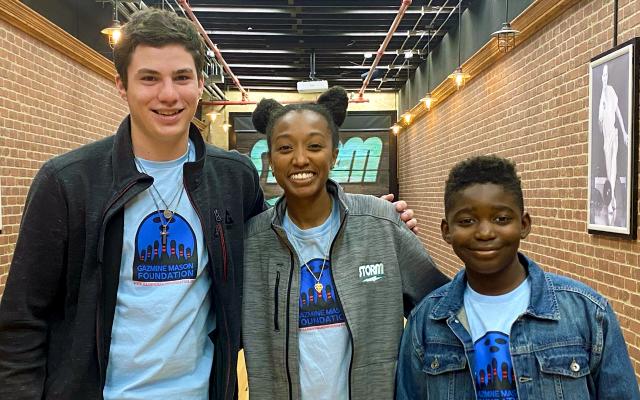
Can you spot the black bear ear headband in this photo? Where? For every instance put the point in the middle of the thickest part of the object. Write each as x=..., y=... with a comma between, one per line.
x=334, y=100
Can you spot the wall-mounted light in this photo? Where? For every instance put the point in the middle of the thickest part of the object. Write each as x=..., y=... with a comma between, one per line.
x=113, y=32
x=506, y=36
x=458, y=76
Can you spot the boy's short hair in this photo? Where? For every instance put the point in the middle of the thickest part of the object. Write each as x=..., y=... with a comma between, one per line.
x=157, y=28
x=479, y=170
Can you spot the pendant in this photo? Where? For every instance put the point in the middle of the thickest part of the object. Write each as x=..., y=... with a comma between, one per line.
x=168, y=214
x=318, y=286
x=164, y=234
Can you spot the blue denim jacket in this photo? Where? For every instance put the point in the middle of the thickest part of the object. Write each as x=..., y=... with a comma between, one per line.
x=567, y=345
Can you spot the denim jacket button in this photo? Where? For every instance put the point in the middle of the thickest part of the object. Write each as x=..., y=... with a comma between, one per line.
x=435, y=364
x=575, y=367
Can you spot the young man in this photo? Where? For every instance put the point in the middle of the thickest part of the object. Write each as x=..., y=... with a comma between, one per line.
x=125, y=286
x=503, y=328
x=126, y=278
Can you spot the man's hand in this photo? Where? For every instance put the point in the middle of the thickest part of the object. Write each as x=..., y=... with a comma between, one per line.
x=406, y=214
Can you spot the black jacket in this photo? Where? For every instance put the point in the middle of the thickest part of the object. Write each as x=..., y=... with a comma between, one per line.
x=57, y=310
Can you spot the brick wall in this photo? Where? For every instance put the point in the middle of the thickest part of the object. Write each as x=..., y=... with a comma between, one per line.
x=532, y=106
x=49, y=104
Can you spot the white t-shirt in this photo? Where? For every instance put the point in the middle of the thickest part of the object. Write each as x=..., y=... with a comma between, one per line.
x=490, y=319
x=159, y=344
x=324, y=342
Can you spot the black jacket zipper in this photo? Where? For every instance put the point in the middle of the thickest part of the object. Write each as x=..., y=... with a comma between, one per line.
x=288, y=308
x=286, y=322
x=335, y=288
x=224, y=256
x=275, y=298
x=286, y=353
x=223, y=244
x=99, y=333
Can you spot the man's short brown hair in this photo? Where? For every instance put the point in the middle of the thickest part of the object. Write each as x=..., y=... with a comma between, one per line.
x=157, y=28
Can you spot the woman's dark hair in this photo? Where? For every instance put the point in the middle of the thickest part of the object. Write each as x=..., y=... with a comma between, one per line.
x=332, y=105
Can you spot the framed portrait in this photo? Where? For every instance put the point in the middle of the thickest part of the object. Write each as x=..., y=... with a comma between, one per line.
x=613, y=127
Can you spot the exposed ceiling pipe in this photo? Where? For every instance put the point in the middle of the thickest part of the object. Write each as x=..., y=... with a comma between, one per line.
x=249, y=102
x=214, y=48
x=385, y=43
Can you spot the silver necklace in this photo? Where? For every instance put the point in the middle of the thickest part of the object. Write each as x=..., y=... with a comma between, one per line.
x=166, y=215
x=318, y=285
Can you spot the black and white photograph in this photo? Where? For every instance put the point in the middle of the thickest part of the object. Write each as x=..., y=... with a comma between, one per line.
x=612, y=131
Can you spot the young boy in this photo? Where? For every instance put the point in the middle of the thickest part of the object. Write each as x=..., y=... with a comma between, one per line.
x=503, y=328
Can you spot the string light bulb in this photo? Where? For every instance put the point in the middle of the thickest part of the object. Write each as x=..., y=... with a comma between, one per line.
x=395, y=129
x=407, y=118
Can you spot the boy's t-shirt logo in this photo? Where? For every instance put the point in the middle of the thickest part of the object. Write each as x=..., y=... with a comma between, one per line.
x=164, y=257
x=492, y=369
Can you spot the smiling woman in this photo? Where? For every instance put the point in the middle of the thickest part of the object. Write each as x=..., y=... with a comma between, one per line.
x=333, y=251
x=301, y=156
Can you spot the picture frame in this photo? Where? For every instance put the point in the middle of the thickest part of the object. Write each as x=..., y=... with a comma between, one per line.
x=613, y=128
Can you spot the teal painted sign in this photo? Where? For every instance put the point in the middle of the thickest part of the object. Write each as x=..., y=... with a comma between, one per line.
x=358, y=160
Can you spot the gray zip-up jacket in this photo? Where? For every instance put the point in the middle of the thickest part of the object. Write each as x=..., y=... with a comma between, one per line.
x=380, y=271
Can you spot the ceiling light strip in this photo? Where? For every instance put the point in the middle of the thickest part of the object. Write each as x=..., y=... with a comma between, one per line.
x=310, y=10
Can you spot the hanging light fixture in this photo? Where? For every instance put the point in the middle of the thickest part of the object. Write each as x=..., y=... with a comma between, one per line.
x=506, y=36
x=212, y=115
x=225, y=126
x=428, y=99
x=458, y=76
x=113, y=32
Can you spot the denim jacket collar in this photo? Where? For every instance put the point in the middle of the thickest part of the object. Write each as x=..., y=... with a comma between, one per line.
x=543, y=303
